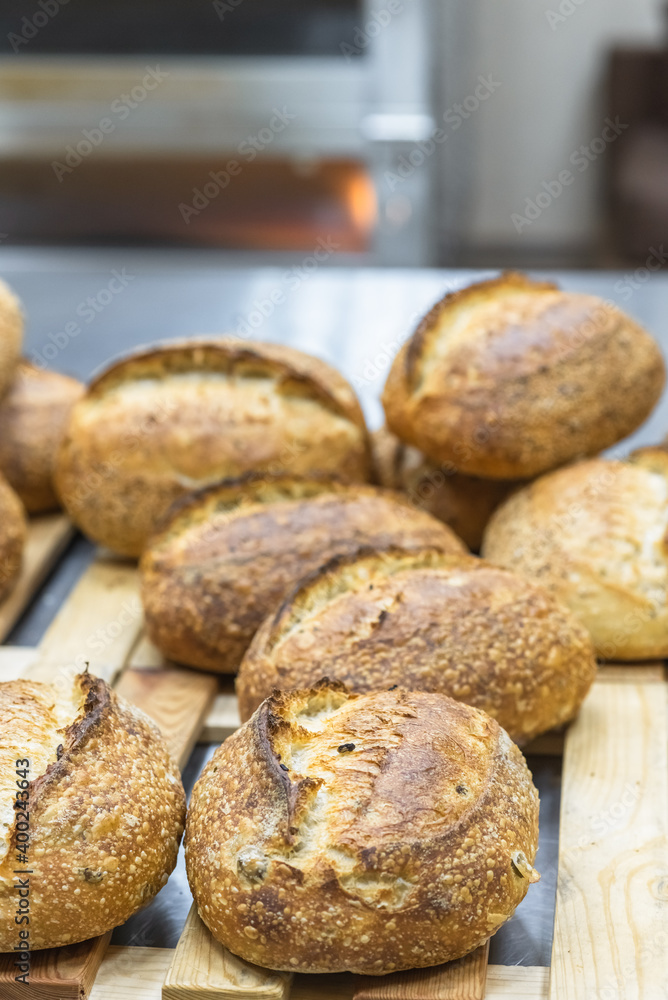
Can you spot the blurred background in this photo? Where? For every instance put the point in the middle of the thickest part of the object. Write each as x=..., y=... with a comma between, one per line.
x=384, y=132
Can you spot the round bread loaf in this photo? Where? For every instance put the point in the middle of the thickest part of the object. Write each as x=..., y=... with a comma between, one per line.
x=13, y=528
x=596, y=535
x=367, y=833
x=106, y=810
x=11, y=335
x=33, y=416
x=465, y=503
x=227, y=556
x=427, y=621
x=179, y=416
x=507, y=378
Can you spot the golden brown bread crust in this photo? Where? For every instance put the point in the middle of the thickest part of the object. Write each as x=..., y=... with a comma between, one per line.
x=33, y=416
x=106, y=805
x=366, y=833
x=504, y=378
x=227, y=556
x=13, y=530
x=596, y=535
x=465, y=503
x=11, y=335
x=427, y=621
x=179, y=416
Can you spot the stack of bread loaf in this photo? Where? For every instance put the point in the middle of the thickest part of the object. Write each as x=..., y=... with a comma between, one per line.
x=373, y=812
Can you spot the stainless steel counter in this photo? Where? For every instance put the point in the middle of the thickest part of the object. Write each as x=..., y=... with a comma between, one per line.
x=86, y=307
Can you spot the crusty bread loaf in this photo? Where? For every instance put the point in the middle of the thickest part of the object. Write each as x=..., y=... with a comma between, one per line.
x=11, y=335
x=465, y=503
x=510, y=378
x=596, y=534
x=13, y=529
x=33, y=416
x=226, y=556
x=367, y=833
x=180, y=416
x=106, y=809
x=427, y=621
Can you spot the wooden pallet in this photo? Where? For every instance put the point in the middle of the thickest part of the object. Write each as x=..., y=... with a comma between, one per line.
x=611, y=913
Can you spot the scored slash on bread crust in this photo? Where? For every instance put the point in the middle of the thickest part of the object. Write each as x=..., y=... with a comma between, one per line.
x=596, y=535
x=226, y=556
x=369, y=833
x=183, y=415
x=503, y=378
x=107, y=809
x=430, y=621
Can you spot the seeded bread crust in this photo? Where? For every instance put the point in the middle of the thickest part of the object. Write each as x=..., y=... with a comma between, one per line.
x=11, y=335
x=33, y=417
x=13, y=531
x=225, y=557
x=596, y=535
x=503, y=379
x=368, y=833
x=177, y=417
x=427, y=621
x=106, y=804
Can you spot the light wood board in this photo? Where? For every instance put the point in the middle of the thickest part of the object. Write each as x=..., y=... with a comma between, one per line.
x=97, y=625
x=55, y=974
x=610, y=935
x=202, y=969
x=139, y=973
x=48, y=536
x=464, y=979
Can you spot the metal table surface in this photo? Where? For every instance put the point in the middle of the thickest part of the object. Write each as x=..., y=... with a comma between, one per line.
x=85, y=307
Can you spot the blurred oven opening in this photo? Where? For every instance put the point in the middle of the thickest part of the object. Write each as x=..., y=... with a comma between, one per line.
x=272, y=204
x=335, y=96
x=180, y=27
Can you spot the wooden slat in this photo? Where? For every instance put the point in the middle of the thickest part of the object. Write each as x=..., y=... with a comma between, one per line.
x=48, y=536
x=648, y=672
x=138, y=974
x=203, y=970
x=129, y=973
x=98, y=624
x=517, y=982
x=55, y=974
x=145, y=654
x=177, y=700
x=612, y=891
x=15, y=660
x=461, y=980
x=223, y=718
